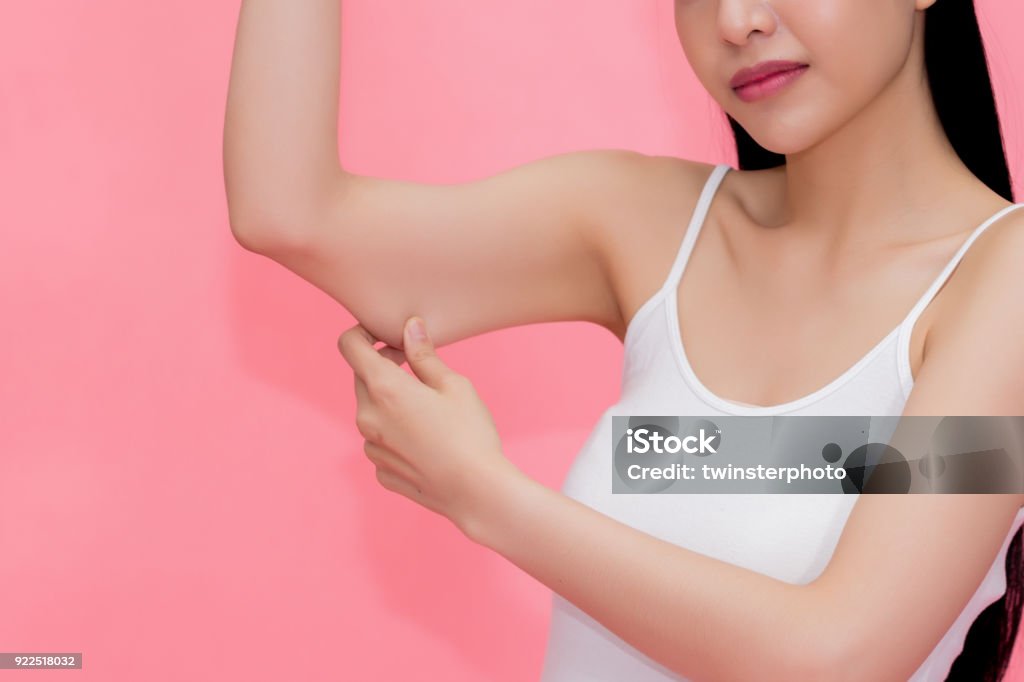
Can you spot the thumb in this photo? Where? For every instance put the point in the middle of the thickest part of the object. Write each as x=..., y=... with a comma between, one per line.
x=421, y=355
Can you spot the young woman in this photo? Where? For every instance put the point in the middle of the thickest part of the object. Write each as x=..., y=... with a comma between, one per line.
x=861, y=260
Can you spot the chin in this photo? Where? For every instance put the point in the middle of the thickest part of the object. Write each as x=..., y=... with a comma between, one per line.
x=781, y=143
x=780, y=136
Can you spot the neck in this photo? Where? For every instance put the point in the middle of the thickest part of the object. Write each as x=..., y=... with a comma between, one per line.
x=878, y=176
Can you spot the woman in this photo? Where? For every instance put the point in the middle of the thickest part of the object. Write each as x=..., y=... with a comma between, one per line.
x=872, y=182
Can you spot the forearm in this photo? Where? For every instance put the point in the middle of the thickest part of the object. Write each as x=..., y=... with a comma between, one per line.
x=281, y=121
x=703, y=618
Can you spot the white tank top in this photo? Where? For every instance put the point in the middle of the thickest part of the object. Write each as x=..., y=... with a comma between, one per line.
x=787, y=537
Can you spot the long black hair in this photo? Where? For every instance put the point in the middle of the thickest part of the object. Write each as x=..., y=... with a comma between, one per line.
x=961, y=88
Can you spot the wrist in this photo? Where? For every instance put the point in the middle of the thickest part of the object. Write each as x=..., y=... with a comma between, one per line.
x=500, y=499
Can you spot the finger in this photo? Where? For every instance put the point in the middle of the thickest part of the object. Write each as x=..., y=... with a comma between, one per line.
x=356, y=346
x=396, y=483
x=383, y=457
x=422, y=355
x=362, y=395
x=396, y=355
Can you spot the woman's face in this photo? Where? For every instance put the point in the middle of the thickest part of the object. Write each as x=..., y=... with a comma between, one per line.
x=853, y=50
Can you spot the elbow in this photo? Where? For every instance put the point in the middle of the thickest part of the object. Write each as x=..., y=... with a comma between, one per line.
x=255, y=239
x=848, y=667
x=779, y=663
x=819, y=647
x=825, y=664
x=834, y=645
x=855, y=663
x=264, y=223
x=816, y=662
x=262, y=233
x=833, y=657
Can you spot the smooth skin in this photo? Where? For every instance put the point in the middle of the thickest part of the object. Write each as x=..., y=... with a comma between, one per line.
x=838, y=244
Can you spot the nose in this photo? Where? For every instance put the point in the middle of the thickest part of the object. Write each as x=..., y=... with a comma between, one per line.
x=740, y=19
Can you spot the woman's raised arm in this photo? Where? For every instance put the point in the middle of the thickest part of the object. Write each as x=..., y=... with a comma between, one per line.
x=530, y=244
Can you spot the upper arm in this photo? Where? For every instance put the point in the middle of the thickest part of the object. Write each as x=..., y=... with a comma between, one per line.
x=913, y=561
x=518, y=247
x=904, y=569
x=974, y=352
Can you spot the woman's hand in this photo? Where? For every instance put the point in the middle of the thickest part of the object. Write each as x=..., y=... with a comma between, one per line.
x=430, y=436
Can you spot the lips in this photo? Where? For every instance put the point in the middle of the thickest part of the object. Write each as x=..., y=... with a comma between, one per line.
x=762, y=70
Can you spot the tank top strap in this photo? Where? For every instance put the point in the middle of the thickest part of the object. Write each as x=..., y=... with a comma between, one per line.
x=933, y=289
x=700, y=212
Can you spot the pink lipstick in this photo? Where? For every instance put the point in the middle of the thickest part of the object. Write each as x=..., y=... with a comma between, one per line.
x=765, y=79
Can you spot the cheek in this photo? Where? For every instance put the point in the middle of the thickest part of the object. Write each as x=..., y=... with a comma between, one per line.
x=698, y=37
x=855, y=48
x=854, y=45
x=686, y=30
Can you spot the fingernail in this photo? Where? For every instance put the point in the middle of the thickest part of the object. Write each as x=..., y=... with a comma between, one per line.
x=417, y=331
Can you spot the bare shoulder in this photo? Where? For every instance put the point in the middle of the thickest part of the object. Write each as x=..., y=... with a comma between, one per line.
x=640, y=223
x=987, y=280
x=978, y=327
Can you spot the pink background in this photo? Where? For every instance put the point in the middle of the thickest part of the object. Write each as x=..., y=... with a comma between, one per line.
x=183, y=493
